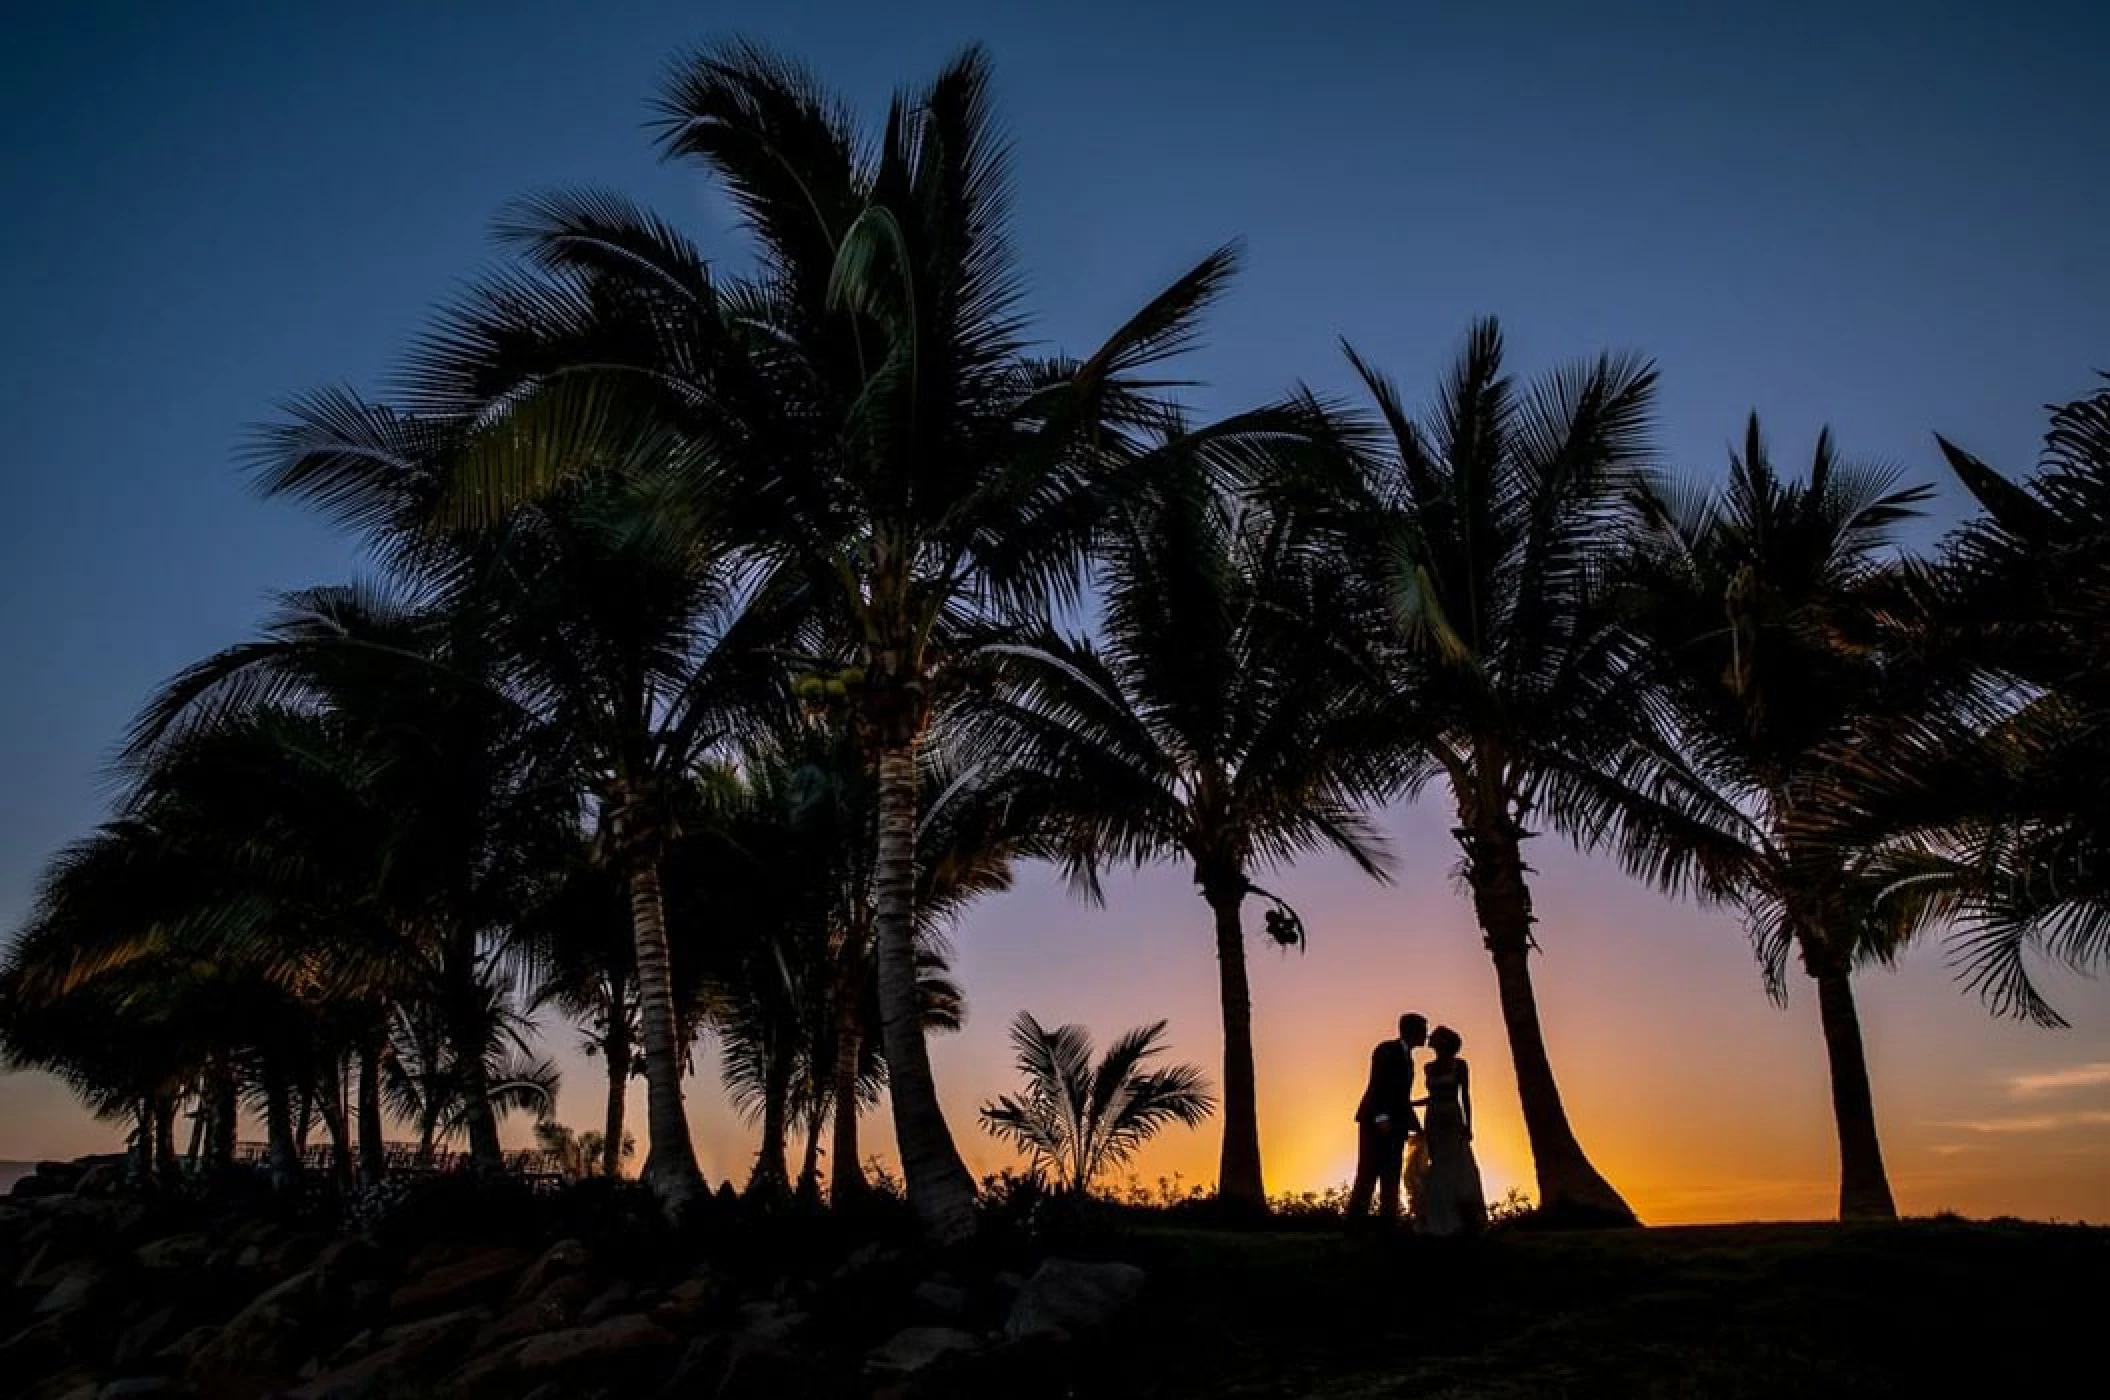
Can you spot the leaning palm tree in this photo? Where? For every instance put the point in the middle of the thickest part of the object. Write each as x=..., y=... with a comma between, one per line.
x=863, y=420
x=1213, y=724
x=1482, y=537
x=1765, y=607
x=1076, y=1119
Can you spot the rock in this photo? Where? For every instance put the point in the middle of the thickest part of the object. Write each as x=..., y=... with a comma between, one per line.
x=940, y=1302
x=1067, y=1296
x=102, y=1179
x=34, y=1349
x=482, y=1275
x=344, y=1261
x=700, y=1369
x=143, y=1338
x=918, y=1349
x=34, y=1188
x=623, y=1335
x=179, y=1353
x=696, y=1299
x=489, y=1373
x=759, y=1369
x=560, y=1260
x=71, y=1290
x=557, y=1306
x=263, y=1345
x=400, y=1351
x=134, y=1388
x=174, y=1252
x=608, y=1302
x=768, y=1324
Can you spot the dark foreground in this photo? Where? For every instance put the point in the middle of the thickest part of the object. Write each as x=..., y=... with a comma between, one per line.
x=462, y=1291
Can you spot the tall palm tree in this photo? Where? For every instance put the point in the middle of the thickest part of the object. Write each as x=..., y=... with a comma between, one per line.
x=862, y=419
x=1077, y=1119
x=1214, y=724
x=1483, y=536
x=1766, y=606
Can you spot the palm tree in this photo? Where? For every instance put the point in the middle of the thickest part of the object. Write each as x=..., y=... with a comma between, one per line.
x=784, y=871
x=578, y=936
x=1483, y=536
x=1994, y=806
x=1077, y=1119
x=862, y=419
x=1765, y=606
x=426, y=1083
x=1213, y=725
x=419, y=805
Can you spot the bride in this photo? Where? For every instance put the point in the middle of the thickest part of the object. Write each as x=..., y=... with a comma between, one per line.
x=1447, y=1199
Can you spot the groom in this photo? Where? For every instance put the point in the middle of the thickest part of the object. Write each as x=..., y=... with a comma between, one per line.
x=1384, y=1120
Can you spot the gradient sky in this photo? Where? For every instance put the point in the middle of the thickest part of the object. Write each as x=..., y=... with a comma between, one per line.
x=1889, y=218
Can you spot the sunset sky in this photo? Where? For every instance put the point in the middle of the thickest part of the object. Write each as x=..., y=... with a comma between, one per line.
x=1889, y=218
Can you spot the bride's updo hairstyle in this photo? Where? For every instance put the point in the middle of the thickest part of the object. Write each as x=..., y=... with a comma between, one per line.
x=1445, y=1041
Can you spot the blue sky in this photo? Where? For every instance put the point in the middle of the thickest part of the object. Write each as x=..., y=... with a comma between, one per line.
x=1889, y=218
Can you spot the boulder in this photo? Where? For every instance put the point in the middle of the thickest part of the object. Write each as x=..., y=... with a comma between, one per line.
x=134, y=1388
x=917, y=1349
x=613, y=1299
x=398, y=1352
x=263, y=1345
x=482, y=1275
x=625, y=1335
x=34, y=1349
x=173, y=1252
x=770, y=1324
x=560, y=1260
x=102, y=1179
x=70, y=1290
x=940, y=1302
x=179, y=1354
x=557, y=1306
x=143, y=1338
x=1067, y=1296
x=699, y=1298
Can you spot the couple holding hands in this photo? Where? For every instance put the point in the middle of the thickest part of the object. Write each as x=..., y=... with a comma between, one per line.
x=1434, y=1152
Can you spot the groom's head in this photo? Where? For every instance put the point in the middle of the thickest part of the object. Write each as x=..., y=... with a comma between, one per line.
x=1414, y=1028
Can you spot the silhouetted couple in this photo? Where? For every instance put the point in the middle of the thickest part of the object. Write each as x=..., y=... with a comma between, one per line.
x=1434, y=1152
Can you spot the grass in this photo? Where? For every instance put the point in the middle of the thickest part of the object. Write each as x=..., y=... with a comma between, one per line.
x=1768, y=1311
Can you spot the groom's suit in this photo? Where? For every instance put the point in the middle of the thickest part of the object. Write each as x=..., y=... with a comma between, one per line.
x=1383, y=1119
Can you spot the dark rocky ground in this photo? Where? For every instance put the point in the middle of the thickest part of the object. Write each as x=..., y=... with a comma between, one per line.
x=462, y=1288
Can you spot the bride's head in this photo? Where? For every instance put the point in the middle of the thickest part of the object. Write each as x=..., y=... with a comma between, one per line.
x=1445, y=1042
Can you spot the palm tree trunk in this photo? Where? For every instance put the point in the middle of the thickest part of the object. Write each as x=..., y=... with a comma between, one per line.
x=194, y=1151
x=373, y=1145
x=939, y=1188
x=485, y=1153
x=615, y=1047
x=771, y=1177
x=1238, y=1177
x=226, y=1114
x=1864, y=1188
x=809, y=1189
x=1569, y=1186
x=281, y=1149
x=339, y=1127
x=670, y=1163
x=168, y=1170
x=846, y=1173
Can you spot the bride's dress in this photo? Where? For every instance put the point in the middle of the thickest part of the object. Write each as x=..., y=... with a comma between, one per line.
x=1445, y=1183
